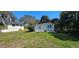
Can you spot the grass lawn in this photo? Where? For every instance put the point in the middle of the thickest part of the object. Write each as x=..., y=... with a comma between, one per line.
x=23, y=39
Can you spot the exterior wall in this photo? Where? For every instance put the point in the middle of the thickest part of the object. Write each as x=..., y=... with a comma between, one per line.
x=44, y=27
x=11, y=28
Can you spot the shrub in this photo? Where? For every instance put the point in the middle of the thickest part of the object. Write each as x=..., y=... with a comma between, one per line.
x=30, y=29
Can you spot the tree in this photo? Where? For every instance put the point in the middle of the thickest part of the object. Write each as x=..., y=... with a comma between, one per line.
x=69, y=20
x=4, y=14
x=55, y=22
x=7, y=14
x=65, y=18
x=27, y=19
x=13, y=17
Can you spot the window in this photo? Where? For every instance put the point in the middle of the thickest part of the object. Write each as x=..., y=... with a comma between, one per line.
x=17, y=24
x=6, y=23
x=49, y=26
x=13, y=24
x=39, y=27
x=20, y=25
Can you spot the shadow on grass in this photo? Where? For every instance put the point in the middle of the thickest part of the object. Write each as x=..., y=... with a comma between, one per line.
x=65, y=36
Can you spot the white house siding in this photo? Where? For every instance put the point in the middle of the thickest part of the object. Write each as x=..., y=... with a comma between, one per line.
x=11, y=28
x=44, y=27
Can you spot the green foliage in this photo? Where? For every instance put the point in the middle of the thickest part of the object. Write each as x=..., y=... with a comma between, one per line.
x=55, y=22
x=13, y=17
x=69, y=20
x=27, y=19
x=2, y=26
x=3, y=17
x=4, y=14
x=23, y=39
x=30, y=28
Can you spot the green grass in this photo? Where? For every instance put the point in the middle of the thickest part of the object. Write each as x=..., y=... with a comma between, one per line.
x=37, y=40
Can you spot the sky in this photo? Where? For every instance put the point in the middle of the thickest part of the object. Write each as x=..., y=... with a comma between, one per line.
x=37, y=14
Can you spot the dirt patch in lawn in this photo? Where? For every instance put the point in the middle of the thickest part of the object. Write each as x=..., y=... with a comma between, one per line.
x=14, y=44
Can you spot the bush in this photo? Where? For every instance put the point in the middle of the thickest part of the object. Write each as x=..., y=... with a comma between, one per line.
x=30, y=29
x=2, y=26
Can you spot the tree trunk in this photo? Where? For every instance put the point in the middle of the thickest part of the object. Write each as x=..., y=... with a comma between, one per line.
x=3, y=21
x=9, y=18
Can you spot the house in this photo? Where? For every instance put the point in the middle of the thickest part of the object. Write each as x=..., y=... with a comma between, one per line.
x=44, y=26
x=10, y=26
